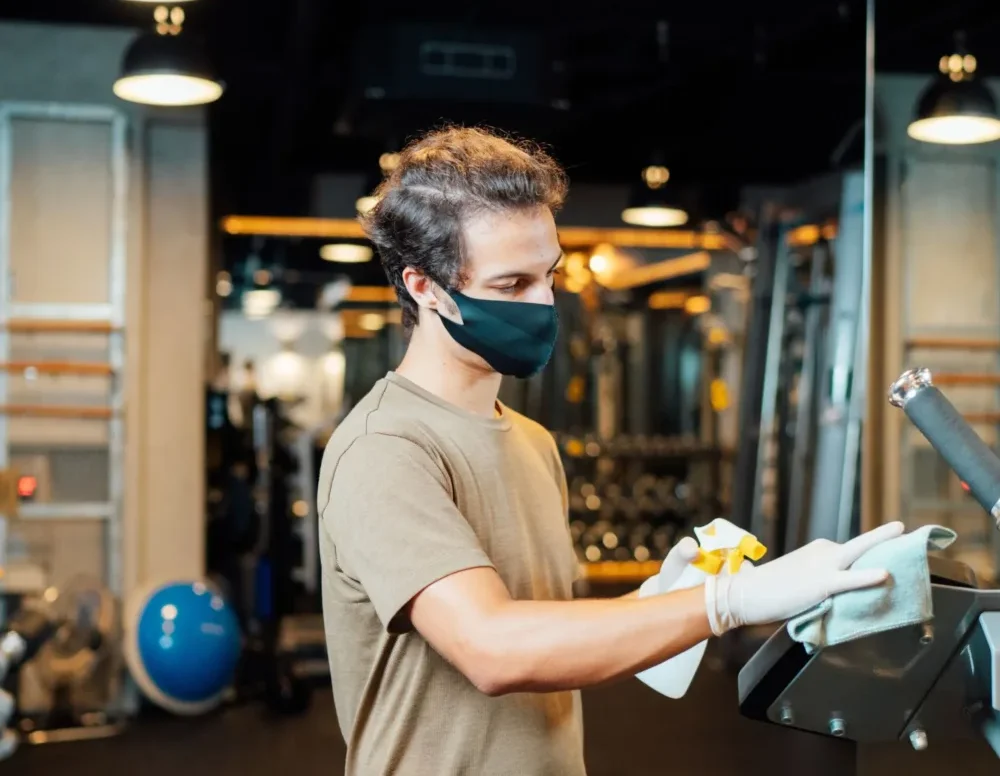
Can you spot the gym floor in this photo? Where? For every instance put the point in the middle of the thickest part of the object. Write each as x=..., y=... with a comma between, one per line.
x=630, y=731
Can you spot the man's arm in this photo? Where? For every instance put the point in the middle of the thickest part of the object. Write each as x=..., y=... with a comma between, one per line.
x=505, y=646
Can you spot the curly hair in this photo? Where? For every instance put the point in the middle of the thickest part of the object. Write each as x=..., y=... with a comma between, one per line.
x=443, y=179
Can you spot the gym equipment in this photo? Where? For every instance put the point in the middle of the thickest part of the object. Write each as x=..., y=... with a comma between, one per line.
x=60, y=662
x=796, y=469
x=937, y=681
x=182, y=646
x=630, y=496
x=26, y=633
x=262, y=547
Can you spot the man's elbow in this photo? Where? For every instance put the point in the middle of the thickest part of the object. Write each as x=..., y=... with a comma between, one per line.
x=491, y=684
x=493, y=668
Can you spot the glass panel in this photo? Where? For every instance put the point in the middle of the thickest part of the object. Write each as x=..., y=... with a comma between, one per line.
x=61, y=190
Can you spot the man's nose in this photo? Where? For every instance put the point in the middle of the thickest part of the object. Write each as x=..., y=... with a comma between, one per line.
x=541, y=293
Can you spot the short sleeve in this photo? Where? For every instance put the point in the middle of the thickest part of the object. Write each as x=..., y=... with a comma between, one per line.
x=395, y=525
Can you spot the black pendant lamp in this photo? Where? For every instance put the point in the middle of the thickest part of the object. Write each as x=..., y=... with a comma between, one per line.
x=956, y=109
x=168, y=67
x=649, y=204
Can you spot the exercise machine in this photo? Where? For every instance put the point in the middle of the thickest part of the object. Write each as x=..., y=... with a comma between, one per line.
x=922, y=684
x=797, y=463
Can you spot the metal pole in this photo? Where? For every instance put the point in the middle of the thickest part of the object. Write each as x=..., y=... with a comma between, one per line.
x=764, y=517
x=851, y=468
x=803, y=450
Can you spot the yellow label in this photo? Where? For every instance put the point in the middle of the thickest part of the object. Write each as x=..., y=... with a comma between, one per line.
x=712, y=561
x=718, y=395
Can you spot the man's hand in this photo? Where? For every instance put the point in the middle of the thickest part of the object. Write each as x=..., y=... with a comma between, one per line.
x=791, y=584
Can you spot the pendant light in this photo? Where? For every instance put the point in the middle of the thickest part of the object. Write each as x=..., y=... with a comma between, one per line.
x=387, y=162
x=648, y=205
x=166, y=67
x=346, y=253
x=956, y=109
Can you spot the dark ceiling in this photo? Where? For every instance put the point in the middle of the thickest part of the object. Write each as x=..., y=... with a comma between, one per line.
x=732, y=92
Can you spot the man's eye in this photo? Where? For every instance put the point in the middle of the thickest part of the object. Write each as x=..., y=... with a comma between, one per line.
x=510, y=289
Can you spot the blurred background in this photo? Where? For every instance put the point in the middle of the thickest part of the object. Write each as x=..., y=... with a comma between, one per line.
x=188, y=308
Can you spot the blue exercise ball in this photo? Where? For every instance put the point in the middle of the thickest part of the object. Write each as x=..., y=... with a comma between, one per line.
x=182, y=646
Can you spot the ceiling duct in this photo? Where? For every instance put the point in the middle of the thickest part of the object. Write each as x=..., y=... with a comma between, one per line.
x=449, y=63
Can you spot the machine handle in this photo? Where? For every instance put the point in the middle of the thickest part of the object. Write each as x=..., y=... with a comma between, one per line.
x=971, y=459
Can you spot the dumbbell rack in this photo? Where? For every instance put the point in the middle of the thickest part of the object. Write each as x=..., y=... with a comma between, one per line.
x=42, y=321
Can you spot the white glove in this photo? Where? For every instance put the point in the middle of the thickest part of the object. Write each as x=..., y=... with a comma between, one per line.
x=790, y=585
x=680, y=555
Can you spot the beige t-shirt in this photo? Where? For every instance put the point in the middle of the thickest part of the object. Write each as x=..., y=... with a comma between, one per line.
x=413, y=489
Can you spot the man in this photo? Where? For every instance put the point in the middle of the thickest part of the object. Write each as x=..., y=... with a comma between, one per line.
x=455, y=647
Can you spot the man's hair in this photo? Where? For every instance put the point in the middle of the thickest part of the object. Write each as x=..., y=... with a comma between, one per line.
x=442, y=179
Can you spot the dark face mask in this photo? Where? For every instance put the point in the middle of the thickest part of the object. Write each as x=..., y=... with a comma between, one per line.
x=515, y=338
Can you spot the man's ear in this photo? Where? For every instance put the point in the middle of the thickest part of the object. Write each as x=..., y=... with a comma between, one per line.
x=428, y=294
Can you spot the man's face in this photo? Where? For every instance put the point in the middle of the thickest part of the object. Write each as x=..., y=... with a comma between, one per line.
x=511, y=256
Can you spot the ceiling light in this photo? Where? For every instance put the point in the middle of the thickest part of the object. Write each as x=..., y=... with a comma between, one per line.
x=346, y=253
x=260, y=302
x=167, y=70
x=388, y=162
x=371, y=321
x=955, y=109
x=224, y=284
x=649, y=206
x=365, y=204
x=659, y=216
x=603, y=260
x=599, y=263
x=696, y=305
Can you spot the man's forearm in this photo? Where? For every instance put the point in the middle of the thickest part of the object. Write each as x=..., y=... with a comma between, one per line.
x=544, y=646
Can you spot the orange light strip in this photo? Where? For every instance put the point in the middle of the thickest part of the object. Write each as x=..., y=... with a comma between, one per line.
x=278, y=226
x=571, y=237
x=966, y=379
x=58, y=367
x=32, y=326
x=372, y=294
x=951, y=343
x=620, y=571
x=57, y=411
x=810, y=234
x=669, y=300
x=981, y=418
x=661, y=270
x=582, y=237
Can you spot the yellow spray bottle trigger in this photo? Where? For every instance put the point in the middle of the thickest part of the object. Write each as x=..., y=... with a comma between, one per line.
x=712, y=561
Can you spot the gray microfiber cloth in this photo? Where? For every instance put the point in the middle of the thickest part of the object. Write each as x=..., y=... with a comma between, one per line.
x=905, y=599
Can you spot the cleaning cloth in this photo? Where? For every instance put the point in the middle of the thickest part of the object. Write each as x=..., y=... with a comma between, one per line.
x=905, y=599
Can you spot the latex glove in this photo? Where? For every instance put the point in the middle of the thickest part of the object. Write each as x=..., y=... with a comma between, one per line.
x=789, y=585
x=680, y=555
